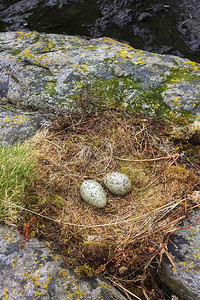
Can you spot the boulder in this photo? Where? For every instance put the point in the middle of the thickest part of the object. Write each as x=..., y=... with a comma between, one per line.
x=170, y=27
x=56, y=73
x=34, y=271
x=17, y=126
x=184, y=245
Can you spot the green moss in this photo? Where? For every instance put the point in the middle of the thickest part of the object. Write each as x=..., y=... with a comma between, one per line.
x=15, y=52
x=137, y=172
x=5, y=104
x=181, y=120
x=154, y=102
x=107, y=59
x=91, y=47
x=50, y=87
x=127, y=92
x=45, y=49
x=84, y=271
x=154, y=99
x=113, y=91
x=182, y=74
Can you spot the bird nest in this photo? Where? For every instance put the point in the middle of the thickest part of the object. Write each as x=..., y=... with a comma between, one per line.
x=121, y=239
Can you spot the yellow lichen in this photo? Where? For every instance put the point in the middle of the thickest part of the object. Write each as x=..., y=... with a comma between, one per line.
x=63, y=272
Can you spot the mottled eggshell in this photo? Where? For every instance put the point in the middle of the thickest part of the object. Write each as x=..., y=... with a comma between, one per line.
x=93, y=193
x=117, y=183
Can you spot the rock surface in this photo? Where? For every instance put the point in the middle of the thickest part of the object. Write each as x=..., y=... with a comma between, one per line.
x=184, y=278
x=48, y=72
x=164, y=26
x=37, y=272
x=17, y=126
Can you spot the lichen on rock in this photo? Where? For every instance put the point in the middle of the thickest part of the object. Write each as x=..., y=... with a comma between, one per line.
x=36, y=272
x=184, y=278
x=49, y=72
x=16, y=126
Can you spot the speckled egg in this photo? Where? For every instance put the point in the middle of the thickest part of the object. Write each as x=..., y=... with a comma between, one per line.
x=117, y=183
x=93, y=193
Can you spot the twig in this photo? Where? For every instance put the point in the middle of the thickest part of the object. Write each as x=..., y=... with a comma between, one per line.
x=137, y=133
x=67, y=262
x=169, y=257
x=167, y=240
x=110, y=158
x=161, y=228
x=127, y=295
x=145, y=292
x=81, y=225
x=52, y=143
x=73, y=125
x=175, y=157
x=193, y=164
x=181, y=228
x=149, y=159
x=122, y=125
x=124, y=289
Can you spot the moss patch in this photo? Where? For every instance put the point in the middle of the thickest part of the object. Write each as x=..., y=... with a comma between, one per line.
x=15, y=52
x=113, y=91
x=91, y=47
x=126, y=92
x=50, y=87
x=180, y=74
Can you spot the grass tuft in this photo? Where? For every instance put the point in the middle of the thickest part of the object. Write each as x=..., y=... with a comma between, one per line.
x=17, y=172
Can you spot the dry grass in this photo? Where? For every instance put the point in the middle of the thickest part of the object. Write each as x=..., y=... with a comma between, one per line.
x=121, y=238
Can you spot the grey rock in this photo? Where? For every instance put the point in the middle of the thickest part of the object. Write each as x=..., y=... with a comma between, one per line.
x=37, y=272
x=184, y=278
x=49, y=72
x=163, y=26
x=17, y=126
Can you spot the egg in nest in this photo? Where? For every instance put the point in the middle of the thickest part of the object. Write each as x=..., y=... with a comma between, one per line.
x=93, y=193
x=117, y=183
